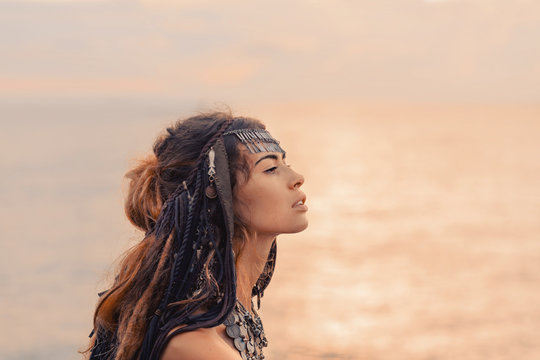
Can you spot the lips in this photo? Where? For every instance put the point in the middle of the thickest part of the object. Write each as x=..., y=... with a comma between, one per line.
x=300, y=203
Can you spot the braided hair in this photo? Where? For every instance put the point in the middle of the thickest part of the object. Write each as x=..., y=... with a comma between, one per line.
x=181, y=276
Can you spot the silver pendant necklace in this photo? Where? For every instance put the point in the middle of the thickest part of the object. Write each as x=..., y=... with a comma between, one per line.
x=247, y=332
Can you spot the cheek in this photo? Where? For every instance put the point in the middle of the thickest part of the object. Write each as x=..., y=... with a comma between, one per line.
x=259, y=208
x=254, y=206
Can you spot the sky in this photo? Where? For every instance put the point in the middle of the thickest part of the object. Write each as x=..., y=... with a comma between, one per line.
x=484, y=51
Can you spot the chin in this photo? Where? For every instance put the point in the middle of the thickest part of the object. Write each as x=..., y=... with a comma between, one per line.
x=298, y=227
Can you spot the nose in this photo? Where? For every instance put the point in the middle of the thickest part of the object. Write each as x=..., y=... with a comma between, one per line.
x=297, y=180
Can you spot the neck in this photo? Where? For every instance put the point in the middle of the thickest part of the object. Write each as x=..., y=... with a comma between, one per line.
x=250, y=264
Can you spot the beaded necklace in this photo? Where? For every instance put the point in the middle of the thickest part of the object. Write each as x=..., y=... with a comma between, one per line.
x=247, y=332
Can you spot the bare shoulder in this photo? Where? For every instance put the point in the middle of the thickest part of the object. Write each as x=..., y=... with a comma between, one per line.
x=201, y=344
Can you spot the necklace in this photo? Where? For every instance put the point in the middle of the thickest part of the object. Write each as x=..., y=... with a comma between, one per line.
x=247, y=332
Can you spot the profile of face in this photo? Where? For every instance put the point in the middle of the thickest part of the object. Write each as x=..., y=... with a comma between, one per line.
x=269, y=201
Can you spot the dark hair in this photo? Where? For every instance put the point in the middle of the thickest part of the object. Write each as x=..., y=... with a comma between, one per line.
x=122, y=317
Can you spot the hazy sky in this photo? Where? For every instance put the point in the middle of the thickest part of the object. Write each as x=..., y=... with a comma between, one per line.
x=410, y=50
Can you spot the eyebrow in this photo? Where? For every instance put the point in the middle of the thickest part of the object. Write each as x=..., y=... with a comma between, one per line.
x=269, y=156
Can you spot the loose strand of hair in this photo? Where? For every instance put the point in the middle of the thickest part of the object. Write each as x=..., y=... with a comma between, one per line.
x=130, y=339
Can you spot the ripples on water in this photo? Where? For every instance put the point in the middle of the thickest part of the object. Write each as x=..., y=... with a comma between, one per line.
x=423, y=239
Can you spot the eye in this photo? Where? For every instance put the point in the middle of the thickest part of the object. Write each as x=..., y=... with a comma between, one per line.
x=271, y=170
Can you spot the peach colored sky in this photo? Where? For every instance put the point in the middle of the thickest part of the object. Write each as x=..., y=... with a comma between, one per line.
x=405, y=50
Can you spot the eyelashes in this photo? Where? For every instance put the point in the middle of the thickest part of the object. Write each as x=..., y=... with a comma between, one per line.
x=274, y=168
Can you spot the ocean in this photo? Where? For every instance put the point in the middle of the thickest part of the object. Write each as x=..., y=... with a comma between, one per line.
x=424, y=236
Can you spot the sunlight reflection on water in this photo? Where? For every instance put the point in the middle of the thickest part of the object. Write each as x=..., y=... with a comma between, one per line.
x=423, y=238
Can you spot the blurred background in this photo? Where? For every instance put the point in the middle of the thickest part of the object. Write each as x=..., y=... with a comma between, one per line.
x=416, y=124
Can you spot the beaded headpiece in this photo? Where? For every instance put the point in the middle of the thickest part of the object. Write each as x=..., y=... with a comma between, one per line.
x=256, y=140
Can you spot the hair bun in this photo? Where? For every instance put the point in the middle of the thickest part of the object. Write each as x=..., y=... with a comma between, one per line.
x=143, y=202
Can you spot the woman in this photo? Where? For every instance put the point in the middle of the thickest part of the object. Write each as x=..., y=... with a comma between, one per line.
x=211, y=199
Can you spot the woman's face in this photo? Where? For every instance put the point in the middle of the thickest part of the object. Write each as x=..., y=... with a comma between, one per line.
x=269, y=201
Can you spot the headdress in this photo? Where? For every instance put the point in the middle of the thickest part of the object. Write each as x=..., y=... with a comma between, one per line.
x=198, y=218
x=256, y=140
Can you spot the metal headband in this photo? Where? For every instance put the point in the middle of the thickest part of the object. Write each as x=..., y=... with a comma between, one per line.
x=256, y=140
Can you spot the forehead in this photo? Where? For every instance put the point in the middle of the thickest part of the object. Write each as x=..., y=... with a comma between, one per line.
x=254, y=158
